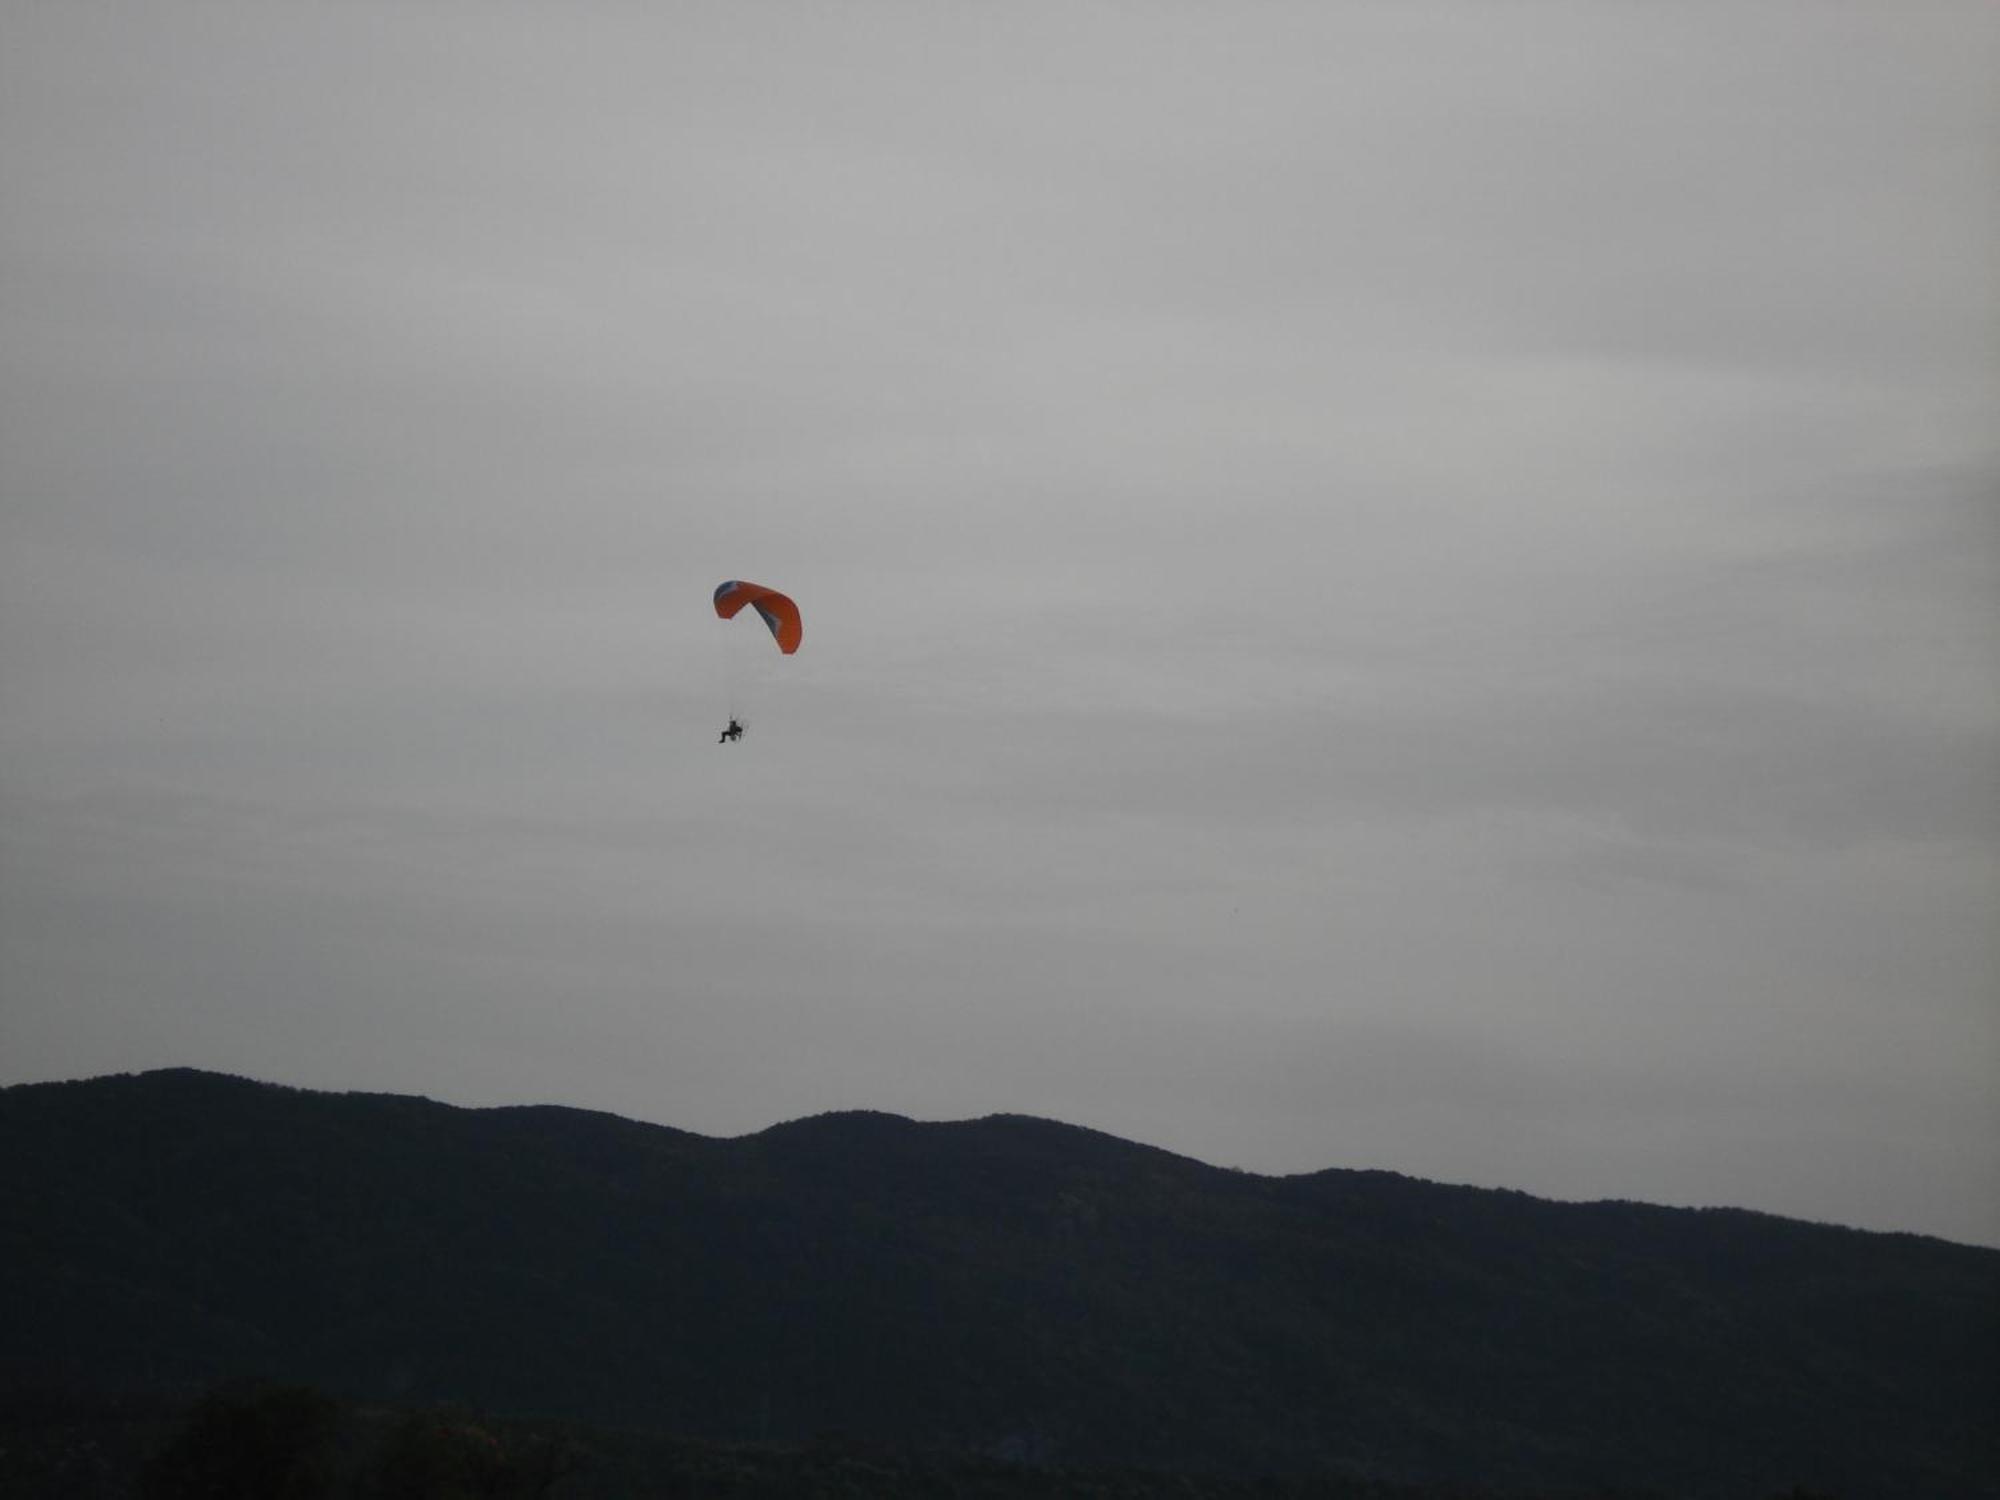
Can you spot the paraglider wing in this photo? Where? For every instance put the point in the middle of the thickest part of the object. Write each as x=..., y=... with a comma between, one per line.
x=778, y=612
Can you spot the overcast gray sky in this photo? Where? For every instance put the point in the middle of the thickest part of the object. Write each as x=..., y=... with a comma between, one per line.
x=1391, y=585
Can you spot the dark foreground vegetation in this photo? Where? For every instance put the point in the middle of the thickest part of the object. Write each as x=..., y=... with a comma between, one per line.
x=256, y=1442
x=1053, y=1302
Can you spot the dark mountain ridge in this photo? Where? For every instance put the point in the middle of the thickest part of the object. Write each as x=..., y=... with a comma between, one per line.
x=1005, y=1284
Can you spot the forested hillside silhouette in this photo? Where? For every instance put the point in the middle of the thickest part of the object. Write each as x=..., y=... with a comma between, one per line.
x=1044, y=1295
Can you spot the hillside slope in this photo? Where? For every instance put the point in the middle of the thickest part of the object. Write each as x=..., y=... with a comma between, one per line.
x=1008, y=1285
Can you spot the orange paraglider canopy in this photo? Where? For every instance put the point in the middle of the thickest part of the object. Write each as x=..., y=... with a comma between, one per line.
x=779, y=612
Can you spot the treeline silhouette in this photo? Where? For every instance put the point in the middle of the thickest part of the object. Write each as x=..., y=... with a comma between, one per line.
x=1039, y=1294
x=249, y=1441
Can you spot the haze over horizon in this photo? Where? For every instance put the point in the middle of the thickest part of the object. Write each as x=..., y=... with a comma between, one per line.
x=1407, y=587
